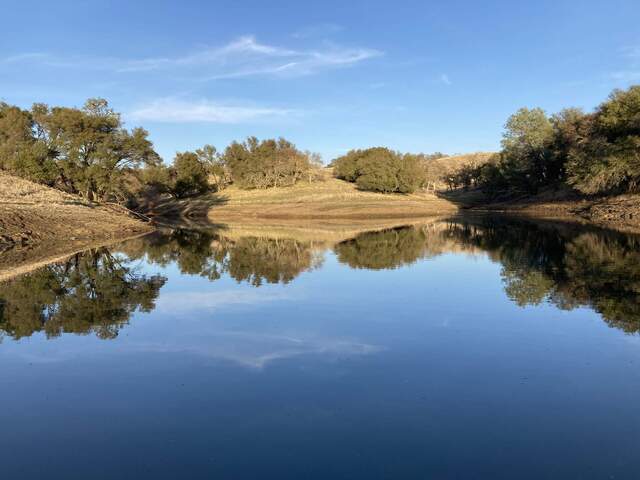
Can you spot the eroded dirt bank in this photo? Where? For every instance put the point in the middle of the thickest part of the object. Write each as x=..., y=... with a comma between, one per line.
x=39, y=223
x=620, y=212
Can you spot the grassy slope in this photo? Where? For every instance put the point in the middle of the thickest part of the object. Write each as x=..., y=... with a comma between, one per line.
x=327, y=201
x=37, y=223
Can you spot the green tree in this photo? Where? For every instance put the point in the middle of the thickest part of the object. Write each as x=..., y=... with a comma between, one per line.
x=265, y=164
x=525, y=149
x=381, y=170
x=608, y=160
x=189, y=175
x=218, y=174
x=91, y=148
x=21, y=152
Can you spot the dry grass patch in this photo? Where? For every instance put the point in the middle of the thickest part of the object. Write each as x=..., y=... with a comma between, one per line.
x=37, y=222
x=328, y=199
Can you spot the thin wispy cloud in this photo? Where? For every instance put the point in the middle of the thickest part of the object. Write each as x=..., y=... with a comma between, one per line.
x=258, y=349
x=173, y=110
x=444, y=78
x=24, y=57
x=188, y=302
x=242, y=57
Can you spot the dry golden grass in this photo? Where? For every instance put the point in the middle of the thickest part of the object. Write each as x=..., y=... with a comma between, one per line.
x=329, y=200
x=456, y=161
x=15, y=190
x=442, y=167
x=37, y=222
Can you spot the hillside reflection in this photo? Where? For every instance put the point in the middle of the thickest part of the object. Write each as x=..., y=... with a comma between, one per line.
x=97, y=291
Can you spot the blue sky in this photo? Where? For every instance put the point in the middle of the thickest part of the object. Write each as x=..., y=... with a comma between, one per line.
x=330, y=75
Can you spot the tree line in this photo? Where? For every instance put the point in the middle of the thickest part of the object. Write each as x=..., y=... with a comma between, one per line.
x=88, y=151
x=593, y=153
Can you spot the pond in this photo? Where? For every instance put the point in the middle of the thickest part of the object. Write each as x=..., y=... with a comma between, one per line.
x=480, y=347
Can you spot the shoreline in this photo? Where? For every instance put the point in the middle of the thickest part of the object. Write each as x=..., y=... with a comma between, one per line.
x=621, y=213
x=39, y=225
x=30, y=264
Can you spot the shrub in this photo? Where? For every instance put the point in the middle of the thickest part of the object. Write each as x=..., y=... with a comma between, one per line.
x=189, y=175
x=265, y=164
x=608, y=158
x=380, y=170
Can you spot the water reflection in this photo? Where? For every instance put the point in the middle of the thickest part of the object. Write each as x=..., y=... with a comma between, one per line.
x=97, y=291
x=92, y=292
x=567, y=265
x=210, y=254
x=386, y=249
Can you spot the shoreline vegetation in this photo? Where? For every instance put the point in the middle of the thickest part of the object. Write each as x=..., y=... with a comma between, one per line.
x=71, y=177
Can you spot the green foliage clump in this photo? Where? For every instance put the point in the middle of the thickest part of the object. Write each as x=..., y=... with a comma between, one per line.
x=607, y=159
x=189, y=175
x=85, y=151
x=267, y=163
x=594, y=153
x=381, y=170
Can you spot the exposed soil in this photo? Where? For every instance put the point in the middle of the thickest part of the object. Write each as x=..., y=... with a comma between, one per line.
x=39, y=223
x=620, y=212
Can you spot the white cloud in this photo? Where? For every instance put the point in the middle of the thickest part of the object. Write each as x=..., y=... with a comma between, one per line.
x=181, y=111
x=25, y=57
x=258, y=349
x=444, y=78
x=242, y=57
x=187, y=302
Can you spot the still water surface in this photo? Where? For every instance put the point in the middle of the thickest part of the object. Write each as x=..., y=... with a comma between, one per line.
x=467, y=348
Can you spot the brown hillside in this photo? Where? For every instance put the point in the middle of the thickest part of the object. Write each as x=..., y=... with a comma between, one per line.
x=37, y=222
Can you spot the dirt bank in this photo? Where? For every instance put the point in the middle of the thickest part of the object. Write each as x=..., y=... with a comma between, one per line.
x=37, y=223
x=620, y=212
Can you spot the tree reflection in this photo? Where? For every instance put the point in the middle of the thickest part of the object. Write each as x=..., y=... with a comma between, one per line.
x=568, y=266
x=385, y=249
x=97, y=291
x=208, y=253
x=92, y=292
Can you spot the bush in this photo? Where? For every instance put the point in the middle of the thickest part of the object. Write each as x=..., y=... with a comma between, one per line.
x=608, y=158
x=189, y=175
x=380, y=170
x=265, y=164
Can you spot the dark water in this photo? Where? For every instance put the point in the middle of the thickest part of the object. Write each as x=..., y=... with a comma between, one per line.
x=478, y=348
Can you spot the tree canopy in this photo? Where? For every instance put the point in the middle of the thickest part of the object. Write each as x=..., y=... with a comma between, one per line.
x=379, y=169
x=594, y=153
x=85, y=151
